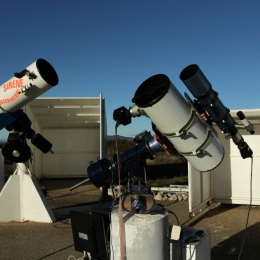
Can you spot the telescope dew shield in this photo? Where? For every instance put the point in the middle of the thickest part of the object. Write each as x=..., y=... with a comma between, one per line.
x=177, y=120
x=27, y=85
x=200, y=88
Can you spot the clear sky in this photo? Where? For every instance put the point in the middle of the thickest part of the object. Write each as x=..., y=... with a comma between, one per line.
x=112, y=46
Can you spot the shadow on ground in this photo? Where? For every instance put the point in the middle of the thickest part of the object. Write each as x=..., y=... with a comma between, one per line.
x=227, y=226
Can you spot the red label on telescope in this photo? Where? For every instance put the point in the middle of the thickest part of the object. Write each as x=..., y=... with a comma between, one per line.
x=15, y=85
x=11, y=99
x=160, y=141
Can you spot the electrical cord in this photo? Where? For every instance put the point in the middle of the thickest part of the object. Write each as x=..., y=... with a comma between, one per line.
x=164, y=210
x=122, y=244
x=81, y=258
x=181, y=257
x=248, y=213
x=52, y=254
x=18, y=167
x=191, y=252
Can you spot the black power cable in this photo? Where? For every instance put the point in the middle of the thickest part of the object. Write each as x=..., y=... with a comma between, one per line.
x=249, y=208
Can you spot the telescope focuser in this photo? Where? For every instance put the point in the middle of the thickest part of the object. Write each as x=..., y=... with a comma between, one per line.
x=122, y=116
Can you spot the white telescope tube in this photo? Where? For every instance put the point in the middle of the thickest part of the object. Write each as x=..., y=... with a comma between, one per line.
x=27, y=85
x=179, y=121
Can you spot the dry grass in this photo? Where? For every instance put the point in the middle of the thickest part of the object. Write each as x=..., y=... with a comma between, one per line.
x=165, y=170
x=166, y=182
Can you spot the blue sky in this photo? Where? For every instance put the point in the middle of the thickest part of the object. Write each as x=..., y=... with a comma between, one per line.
x=111, y=47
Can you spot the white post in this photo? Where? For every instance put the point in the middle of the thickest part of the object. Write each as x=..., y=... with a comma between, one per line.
x=146, y=236
x=22, y=199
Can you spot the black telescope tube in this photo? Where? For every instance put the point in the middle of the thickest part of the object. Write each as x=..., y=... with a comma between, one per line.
x=200, y=87
x=151, y=91
x=195, y=81
x=47, y=72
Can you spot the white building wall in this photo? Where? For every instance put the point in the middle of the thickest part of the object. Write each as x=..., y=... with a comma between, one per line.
x=230, y=181
x=73, y=149
x=35, y=165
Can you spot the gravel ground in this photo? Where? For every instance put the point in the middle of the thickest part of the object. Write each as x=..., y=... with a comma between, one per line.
x=30, y=240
